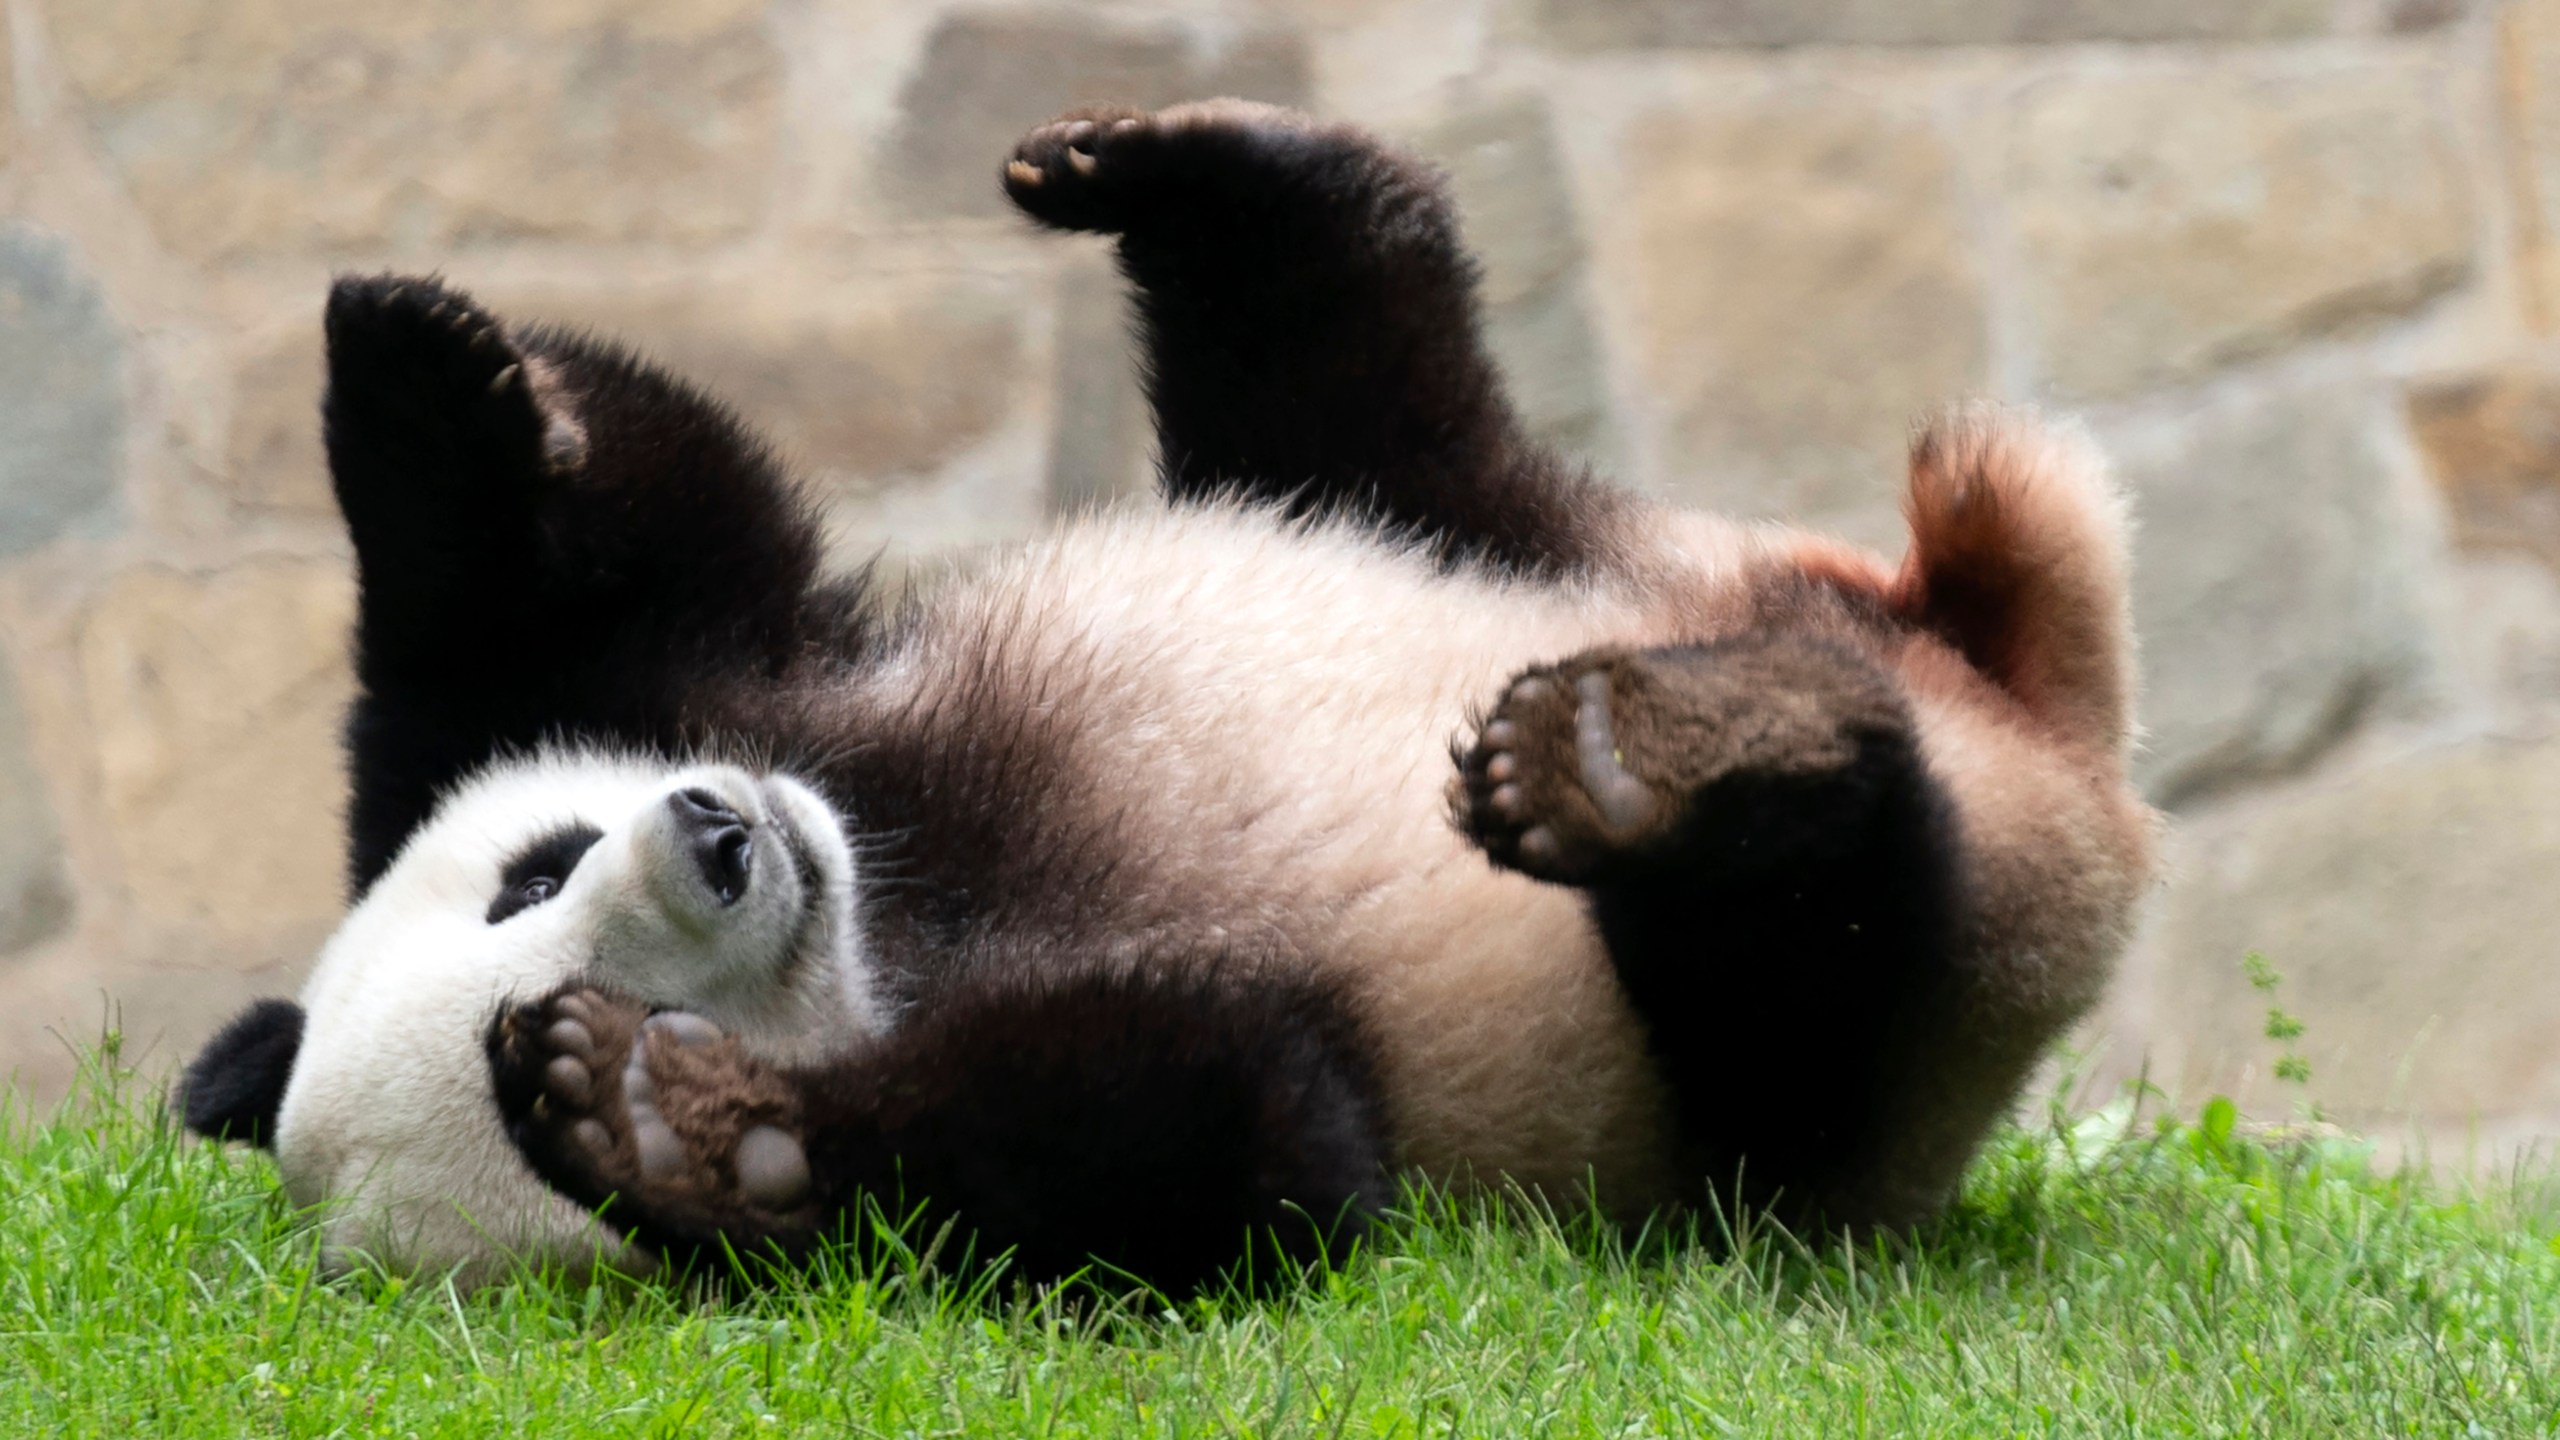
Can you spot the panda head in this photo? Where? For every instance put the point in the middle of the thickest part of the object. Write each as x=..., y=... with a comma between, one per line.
x=703, y=887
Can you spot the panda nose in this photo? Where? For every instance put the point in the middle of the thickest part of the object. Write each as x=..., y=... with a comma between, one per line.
x=721, y=846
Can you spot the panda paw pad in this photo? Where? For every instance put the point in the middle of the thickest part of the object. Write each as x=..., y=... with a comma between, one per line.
x=1545, y=789
x=657, y=1112
x=1091, y=168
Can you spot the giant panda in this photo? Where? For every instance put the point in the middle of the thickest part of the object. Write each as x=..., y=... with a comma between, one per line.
x=1392, y=799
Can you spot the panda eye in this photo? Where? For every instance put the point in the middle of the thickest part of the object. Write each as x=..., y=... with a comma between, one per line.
x=540, y=869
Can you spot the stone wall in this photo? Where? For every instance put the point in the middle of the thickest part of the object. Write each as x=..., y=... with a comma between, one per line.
x=2297, y=261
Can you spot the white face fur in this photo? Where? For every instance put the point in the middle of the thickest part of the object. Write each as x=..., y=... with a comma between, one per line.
x=704, y=888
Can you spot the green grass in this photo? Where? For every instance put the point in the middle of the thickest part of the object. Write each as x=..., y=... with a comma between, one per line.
x=2103, y=1278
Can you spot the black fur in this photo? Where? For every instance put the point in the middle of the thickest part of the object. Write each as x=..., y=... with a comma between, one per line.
x=1171, y=1123
x=1783, y=952
x=555, y=540
x=235, y=1085
x=1310, y=327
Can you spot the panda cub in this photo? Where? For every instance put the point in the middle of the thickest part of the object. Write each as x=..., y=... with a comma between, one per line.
x=1121, y=900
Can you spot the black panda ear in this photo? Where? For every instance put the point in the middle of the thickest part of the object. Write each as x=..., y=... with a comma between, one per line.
x=235, y=1085
x=435, y=418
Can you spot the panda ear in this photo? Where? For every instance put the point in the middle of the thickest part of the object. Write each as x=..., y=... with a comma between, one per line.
x=235, y=1085
x=434, y=414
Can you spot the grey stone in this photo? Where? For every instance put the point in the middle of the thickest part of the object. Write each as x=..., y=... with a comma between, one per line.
x=61, y=393
x=2278, y=566
x=987, y=76
x=2405, y=17
x=1102, y=446
x=2173, y=220
x=35, y=879
x=1597, y=24
x=876, y=380
x=2412, y=914
x=275, y=460
x=213, y=702
x=1804, y=285
x=333, y=125
x=1509, y=181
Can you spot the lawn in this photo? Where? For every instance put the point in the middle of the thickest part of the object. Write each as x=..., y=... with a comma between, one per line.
x=2104, y=1275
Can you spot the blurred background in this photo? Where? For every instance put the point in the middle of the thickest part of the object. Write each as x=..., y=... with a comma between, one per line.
x=2294, y=260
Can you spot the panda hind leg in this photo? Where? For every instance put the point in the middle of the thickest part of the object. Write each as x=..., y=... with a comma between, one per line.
x=1619, y=767
x=1774, y=870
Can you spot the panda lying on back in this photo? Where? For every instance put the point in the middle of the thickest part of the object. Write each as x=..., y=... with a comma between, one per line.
x=1109, y=900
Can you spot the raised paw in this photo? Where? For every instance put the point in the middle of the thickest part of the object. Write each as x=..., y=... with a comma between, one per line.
x=1745, y=752
x=1103, y=166
x=659, y=1118
x=1545, y=788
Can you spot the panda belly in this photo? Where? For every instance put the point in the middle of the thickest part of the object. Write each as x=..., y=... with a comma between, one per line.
x=1271, y=707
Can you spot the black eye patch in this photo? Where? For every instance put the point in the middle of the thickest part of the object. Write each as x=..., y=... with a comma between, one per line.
x=541, y=868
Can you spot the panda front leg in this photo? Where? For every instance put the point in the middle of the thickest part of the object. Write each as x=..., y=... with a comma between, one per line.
x=1172, y=1127
x=1776, y=873
x=551, y=539
x=1310, y=321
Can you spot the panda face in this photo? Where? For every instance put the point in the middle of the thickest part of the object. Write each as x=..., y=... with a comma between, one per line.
x=703, y=887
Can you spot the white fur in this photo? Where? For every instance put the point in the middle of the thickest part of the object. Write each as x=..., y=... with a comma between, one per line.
x=1266, y=705
x=1272, y=704
x=388, y=1120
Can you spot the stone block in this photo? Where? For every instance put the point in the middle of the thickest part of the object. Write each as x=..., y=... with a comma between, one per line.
x=2411, y=911
x=2492, y=444
x=2529, y=43
x=320, y=126
x=2171, y=220
x=1610, y=24
x=8, y=97
x=988, y=75
x=2278, y=573
x=214, y=701
x=1509, y=180
x=869, y=382
x=61, y=393
x=275, y=458
x=164, y=1007
x=35, y=878
x=1102, y=446
x=1801, y=288
x=858, y=383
